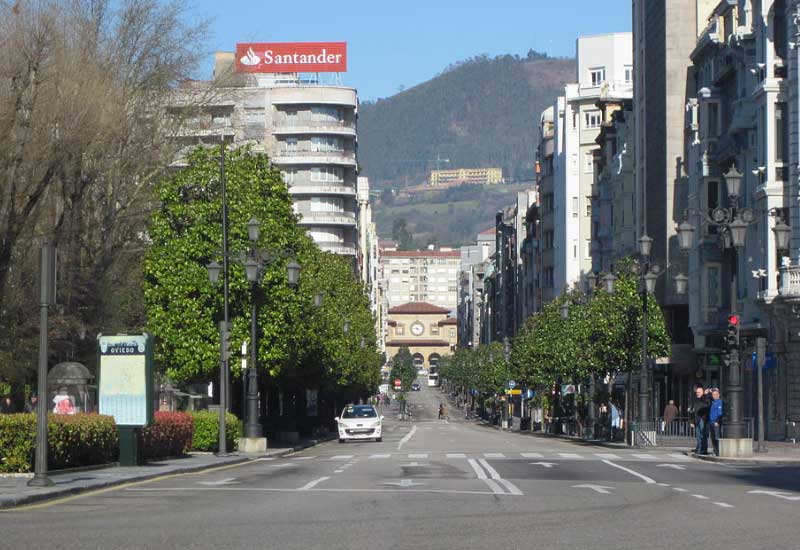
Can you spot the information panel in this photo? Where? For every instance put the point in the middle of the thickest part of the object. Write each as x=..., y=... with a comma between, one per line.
x=126, y=379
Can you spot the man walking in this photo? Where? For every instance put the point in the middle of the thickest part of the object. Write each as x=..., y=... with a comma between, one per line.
x=698, y=409
x=715, y=419
x=670, y=412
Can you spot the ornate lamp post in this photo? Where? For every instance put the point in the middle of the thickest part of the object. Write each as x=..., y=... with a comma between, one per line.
x=733, y=222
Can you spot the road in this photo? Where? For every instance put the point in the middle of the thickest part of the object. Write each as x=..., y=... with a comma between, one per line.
x=435, y=484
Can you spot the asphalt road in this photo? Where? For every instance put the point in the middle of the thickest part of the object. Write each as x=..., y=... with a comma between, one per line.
x=435, y=484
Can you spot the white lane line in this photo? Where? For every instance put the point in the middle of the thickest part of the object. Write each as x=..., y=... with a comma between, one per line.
x=607, y=456
x=496, y=489
x=723, y=505
x=407, y=437
x=303, y=457
x=494, y=455
x=492, y=471
x=456, y=455
x=644, y=456
x=338, y=471
x=531, y=455
x=418, y=455
x=380, y=456
x=315, y=490
x=637, y=474
x=478, y=470
x=513, y=489
x=266, y=458
x=679, y=456
x=680, y=489
x=312, y=484
x=342, y=457
x=701, y=497
x=569, y=455
x=663, y=484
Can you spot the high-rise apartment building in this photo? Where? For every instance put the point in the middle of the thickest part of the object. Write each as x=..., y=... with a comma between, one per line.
x=429, y=276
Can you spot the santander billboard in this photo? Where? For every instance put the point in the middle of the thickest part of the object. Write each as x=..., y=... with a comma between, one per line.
x=291, y=57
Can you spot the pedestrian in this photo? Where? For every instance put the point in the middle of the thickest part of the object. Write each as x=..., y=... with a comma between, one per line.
x=441, y=411
x=30, y=404
x=6, y=406
x=63, y=403
x=698, y=409
x=670, y=412
x=715, y=419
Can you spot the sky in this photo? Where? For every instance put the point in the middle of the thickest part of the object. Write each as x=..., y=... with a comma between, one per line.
x=401, y=43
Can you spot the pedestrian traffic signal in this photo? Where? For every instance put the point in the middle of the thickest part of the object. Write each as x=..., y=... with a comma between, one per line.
x=732, y=335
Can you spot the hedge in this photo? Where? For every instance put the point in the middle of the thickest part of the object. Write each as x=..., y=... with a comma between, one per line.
x=73, y=440
x=206, y=431
x=169, y=435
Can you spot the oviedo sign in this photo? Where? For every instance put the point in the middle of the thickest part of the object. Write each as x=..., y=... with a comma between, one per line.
x=291, y=57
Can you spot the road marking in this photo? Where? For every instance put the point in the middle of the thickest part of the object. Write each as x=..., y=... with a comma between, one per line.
x=545, y=464
x=679, y=456
x=418, y=455
x=312, y=484
x=478, y=471
x=409, y=465
x=673, y=466
x=342, y=457
x=663, y=484
x=637, y=474
x=407, y=437
x=498, y=491
x=380, y=456
x=701, y=497
x=513, y=489
x=404, y=483
x=602, y=489
x=494, y=455
x=643, y=456
x=531, y=455
x=456, y=455
x=680, y=489
x=303, y=457
x=338, y=471
x=266, y=458
x=226, y=481
x=778, y=494
x=492, y=471
x=723, y=505
x=569, y=455
x=607, y=456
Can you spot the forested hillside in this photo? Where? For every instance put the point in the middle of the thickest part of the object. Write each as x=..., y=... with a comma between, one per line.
x=480, y=112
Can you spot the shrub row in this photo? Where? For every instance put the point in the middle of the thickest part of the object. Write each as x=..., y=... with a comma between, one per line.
x=206, y=431
x=73, y=440
x=169, y=435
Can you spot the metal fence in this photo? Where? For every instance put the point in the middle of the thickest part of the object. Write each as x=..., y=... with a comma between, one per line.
x=680, y=432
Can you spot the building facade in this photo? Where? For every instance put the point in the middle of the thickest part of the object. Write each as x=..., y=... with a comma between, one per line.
x=474, y=261
x=428, y=331
x=544, y=181
x=421, y=276
x=473, y=176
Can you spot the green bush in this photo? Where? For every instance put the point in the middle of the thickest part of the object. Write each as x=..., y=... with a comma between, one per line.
x=73, y=440
x=206, y=431
x=169, y=435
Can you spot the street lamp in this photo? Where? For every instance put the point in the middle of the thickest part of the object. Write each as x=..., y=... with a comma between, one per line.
x=609, y=282
x=564, y=310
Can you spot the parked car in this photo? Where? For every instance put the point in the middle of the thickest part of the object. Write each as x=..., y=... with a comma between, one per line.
x=415, y=386
x=359, y=422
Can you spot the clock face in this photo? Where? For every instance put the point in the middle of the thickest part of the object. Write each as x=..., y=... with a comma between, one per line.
x=417, y=328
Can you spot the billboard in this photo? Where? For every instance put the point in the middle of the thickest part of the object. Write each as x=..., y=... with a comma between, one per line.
x=291, y=57
x=126, y=378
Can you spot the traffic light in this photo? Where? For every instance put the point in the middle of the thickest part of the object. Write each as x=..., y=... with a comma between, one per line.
x=225, y=337
x=732, y=335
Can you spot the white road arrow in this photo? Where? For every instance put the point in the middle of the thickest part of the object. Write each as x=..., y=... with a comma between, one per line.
x=545, y=464
x=597, y=488
x=404, y=483
x=226, y=481
x=779, y=494
x=673, y=466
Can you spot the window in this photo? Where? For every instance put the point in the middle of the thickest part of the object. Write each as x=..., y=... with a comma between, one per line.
x=588, y=248
x=592, y=119
x=332, y=235
x=324, y=113
x=326, y=204
x=290, y=144
x=628, y=73
x=575, y=207
x=588, y=162
x=325, y=144
x=588, y=207
x=574, y=120
x=713, y=297
x=597, y=75
x=254, y=116
x=435, y=328
x=575, y=248
x=452, y=333
x=781, y=133
x=399, y=330
x=712, y=202
x=332, y=174
x=289, y=175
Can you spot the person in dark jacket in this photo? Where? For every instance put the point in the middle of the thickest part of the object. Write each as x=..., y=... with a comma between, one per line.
x=670, y=412
x=715, y=419
x=698, y=409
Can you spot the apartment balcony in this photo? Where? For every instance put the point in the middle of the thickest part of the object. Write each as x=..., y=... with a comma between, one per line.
x=328, y=218
x=340, y=248
x=200, y=127
x=790, y=283
x=286, y=127
x=318, y=188
x=308, y=156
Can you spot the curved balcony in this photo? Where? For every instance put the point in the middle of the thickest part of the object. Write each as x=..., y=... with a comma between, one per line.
x=306, y=156
x=318, y=188
x=328, y=218
x=314, y=127
x=340, y=248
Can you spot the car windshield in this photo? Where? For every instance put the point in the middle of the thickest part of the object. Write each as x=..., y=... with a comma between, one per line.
x=359, y=411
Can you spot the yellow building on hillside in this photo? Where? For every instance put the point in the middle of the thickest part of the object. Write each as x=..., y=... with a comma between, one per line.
x=475, y=176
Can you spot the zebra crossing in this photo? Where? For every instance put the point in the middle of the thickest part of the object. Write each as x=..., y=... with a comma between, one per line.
x=543, y=455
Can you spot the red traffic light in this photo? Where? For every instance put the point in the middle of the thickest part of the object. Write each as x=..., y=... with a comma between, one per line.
x=733, y=319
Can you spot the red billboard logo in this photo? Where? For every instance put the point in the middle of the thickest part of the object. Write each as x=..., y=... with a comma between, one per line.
x=291, y=57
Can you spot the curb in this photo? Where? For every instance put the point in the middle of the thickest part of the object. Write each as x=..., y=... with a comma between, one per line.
x=748, y=461
x=9, y=503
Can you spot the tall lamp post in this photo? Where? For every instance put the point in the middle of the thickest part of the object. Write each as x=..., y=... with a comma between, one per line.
x=648, y=275
x=733, y=222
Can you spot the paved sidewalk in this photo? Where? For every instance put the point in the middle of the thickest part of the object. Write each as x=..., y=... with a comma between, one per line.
x=14, y=491
x=778, y=453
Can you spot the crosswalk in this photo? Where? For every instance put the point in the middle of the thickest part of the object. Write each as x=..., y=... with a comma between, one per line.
x=543, y=455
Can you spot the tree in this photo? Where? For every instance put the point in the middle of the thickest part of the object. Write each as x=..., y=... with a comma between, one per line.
x=403, y=368
x=182, y=305
x=82, y=86
x=401, y=234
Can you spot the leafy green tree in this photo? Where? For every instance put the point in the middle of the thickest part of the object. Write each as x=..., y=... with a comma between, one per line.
x=183, y=307
x=403, y=368
x=401, y=234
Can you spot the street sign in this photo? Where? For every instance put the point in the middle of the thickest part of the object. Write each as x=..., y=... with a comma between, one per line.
x=397, y=382
x=512, y=384
x=514, y=392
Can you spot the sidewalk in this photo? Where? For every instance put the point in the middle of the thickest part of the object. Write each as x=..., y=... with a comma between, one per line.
x=14, y=491
x=779, y=453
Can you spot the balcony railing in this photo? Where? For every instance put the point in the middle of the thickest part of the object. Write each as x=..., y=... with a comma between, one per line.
x=319, y=188
x=287, y=123
x=301, y=156
x=790, y=282
x=327, y=218
x=335, y=247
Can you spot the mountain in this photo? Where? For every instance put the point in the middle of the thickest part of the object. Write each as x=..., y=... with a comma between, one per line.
x=481, y=112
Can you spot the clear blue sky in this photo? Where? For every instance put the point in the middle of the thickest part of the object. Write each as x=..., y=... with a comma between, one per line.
x=405, y=42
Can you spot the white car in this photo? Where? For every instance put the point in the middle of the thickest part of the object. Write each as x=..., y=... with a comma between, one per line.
x=359, y=422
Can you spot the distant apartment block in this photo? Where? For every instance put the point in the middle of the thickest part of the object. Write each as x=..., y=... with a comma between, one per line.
x=421, y=276
x=473, y=176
